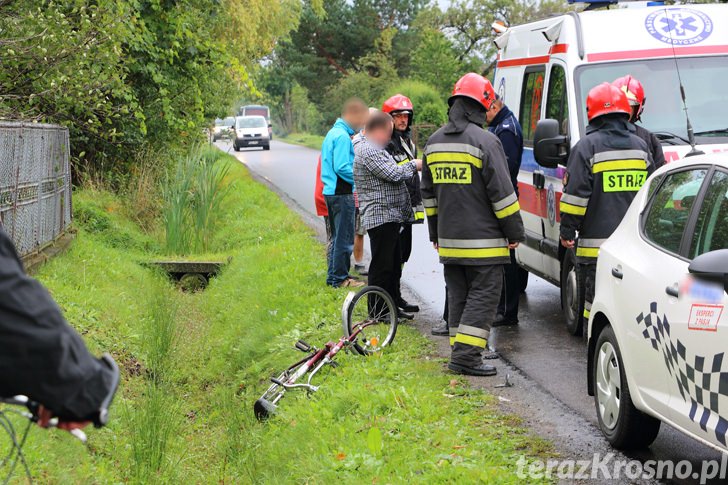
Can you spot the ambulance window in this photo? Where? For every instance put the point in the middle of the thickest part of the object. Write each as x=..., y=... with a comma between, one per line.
x=557, y=106
x=669, y=213
x=531, y=97
x=711, y=231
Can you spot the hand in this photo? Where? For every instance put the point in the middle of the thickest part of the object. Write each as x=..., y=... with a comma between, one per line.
x=568, y=244
x=436, y=246
x=45, y=416
x=513, y=245
x=418, y=164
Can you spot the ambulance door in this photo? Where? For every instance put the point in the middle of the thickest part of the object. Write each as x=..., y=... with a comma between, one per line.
x=557, y=108
x=532, y=194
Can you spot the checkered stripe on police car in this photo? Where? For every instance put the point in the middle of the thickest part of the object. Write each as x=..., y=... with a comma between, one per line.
x=701, y=380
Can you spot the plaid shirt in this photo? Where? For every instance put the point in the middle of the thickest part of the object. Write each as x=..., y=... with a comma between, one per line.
x=380, y=185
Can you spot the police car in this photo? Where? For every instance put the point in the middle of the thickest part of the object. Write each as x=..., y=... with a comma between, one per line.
x=544, y=72
x=658, y=330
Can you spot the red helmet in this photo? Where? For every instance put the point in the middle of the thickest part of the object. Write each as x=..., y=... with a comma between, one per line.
x=476, y=87
x=398, y=103
x=606, y=99
x=634, y=91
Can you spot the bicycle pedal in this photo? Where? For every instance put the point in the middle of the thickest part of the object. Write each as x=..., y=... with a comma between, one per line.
x=303, y=346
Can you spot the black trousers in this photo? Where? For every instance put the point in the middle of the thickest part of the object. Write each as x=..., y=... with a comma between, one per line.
x=385, y=268
x=508, y=306
x=405, y=241
x=473, y=293
x=587, y=275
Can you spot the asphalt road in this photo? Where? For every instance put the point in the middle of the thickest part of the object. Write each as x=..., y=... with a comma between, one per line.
x=539, y=346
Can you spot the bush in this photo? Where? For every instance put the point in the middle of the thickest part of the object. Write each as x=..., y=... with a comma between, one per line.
x=429, y=106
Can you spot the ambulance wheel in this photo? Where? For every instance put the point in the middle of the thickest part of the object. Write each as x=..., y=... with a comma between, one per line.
x=624, y=426
x=570, y=293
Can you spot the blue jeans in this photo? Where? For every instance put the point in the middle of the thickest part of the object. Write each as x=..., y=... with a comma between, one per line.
x=341, y=222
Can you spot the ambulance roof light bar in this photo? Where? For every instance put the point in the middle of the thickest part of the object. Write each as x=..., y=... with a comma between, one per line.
x=595, y=4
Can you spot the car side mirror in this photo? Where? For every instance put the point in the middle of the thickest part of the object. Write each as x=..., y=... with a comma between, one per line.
x=270, y=125
x=712, y=266
x=550, y=148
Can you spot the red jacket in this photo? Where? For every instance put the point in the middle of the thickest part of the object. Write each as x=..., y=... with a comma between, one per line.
x=318, y=195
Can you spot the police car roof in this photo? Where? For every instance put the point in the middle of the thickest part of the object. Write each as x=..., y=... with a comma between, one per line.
x=716, y=159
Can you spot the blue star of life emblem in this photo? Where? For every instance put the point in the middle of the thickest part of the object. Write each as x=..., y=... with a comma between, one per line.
x=679, y=26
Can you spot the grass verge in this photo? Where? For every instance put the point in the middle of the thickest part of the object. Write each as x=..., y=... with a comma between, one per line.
x=193, y=364
x=304, y=139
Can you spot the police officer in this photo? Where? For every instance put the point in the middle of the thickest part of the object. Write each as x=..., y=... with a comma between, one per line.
x=605, y=170
x=636, y=96
x=403, y=149
x=473, y=218
x=503, y=124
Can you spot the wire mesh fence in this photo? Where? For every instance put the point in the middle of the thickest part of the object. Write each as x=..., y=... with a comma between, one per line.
x=35, y=183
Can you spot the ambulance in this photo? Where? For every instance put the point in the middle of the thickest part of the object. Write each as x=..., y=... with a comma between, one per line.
x=546, y=68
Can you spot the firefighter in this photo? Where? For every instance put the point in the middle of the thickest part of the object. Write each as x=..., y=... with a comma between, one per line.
x=403, y=149
x=473, y=218
x=636, y=96
x=605, y=170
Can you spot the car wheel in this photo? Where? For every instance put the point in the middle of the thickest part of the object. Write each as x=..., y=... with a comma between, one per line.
x=570, y=293
x=236, y=147
x=624, y=426
x=266, y=147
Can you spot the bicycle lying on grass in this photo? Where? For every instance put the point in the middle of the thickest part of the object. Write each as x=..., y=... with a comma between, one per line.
x=35, y=413
x=370, y=320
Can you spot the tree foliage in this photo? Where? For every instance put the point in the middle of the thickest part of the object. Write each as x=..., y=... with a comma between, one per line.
x=123, y=73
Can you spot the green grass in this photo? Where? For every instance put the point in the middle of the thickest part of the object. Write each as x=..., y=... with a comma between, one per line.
x=193, y=364
x=304, y=139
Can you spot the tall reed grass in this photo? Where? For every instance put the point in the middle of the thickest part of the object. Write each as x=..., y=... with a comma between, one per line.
x=192, y=199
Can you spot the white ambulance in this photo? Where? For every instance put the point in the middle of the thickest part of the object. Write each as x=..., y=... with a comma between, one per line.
x=545, y=70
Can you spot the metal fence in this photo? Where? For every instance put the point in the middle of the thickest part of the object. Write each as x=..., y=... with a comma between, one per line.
x=35, y=183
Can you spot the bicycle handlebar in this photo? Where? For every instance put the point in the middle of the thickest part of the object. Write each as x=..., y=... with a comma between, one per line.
x=31, y=414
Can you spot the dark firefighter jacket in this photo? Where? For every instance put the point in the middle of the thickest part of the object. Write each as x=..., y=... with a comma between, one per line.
x=653, y=145
x=403, y=149
x=41, y=356
x=506, y=127
x=472, y=209
x=605, y=170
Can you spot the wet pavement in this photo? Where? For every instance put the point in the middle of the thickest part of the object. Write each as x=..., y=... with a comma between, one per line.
x=547, y=363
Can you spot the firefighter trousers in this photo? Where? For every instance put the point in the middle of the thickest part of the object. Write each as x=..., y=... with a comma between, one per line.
x=587, y=278
x=473, y=293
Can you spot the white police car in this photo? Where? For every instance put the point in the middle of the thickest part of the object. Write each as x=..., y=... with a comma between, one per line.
x=658, y=331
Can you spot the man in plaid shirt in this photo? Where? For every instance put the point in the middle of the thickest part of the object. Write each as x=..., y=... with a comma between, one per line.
x=384, y=201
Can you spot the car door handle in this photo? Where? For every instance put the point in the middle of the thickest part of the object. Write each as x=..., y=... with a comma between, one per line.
x=673, y=290
x=617, y=273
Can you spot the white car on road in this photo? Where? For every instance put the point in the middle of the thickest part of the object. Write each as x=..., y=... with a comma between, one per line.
x=658, y=331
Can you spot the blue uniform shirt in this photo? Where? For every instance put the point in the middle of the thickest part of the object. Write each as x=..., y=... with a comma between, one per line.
x=507, y=128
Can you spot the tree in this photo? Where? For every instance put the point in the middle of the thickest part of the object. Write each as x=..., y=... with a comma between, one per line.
x=436, y=62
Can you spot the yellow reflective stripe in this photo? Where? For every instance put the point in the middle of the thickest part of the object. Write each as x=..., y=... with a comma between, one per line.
x=441, y=157
x=510, y=210
x=420, y=216
x=587, y=252
x=431, y=211
x=567, y=208
x=452, y=341
x=470, y=340
x=586, y=313
x=634, y=163
x=474, y=252
x=403, y=161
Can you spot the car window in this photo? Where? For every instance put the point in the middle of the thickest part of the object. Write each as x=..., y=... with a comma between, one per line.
x=531, y=104
x=711, y=230
x=557, y=106
x=670, y=207
x=252, y=122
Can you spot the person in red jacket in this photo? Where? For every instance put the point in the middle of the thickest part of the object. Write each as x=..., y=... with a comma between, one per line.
x=321, y=209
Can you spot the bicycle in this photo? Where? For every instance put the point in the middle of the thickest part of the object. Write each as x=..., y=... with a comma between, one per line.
x=35, y=413
x=369, y=319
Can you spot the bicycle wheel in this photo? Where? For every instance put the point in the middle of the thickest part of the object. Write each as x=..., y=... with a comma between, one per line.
x=373, y=312
x=267, y=404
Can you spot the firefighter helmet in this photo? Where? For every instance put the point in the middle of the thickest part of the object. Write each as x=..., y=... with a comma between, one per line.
x=634, y=91
x=476, y=87
x=606, y=99
x=397, y=104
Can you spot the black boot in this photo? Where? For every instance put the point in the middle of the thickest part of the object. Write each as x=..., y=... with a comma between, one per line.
x=477, y=370
x=407, y=306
